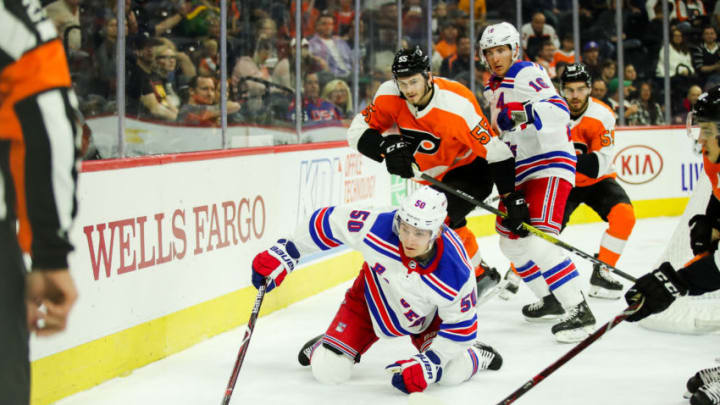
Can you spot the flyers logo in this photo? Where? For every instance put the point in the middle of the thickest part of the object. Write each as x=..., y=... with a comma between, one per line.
x=367, y=112
x=424, y=142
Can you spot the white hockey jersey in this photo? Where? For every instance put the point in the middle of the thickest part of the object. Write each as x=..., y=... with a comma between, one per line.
x=542, y=145
x=401, y=295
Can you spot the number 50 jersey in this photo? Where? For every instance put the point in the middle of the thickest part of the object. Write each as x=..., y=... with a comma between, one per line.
x=402, y=295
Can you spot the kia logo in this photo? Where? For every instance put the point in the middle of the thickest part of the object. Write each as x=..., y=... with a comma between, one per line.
x=638, y=164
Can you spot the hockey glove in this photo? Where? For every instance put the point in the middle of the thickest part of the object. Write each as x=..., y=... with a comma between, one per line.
x=517, y=213
x=660, y=287
x=274, y=263
x=416, y=373
x=511, y=115
x=701, y=234
x=398, y=156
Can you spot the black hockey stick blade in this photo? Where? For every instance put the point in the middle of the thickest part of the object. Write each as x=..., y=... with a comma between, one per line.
x=244, y=344
x=535, y=231
x=572, y=353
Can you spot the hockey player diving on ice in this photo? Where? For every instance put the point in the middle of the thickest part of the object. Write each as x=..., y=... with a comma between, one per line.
x=416, y=280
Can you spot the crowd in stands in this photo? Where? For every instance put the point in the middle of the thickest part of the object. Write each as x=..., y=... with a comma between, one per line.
x=172, y=53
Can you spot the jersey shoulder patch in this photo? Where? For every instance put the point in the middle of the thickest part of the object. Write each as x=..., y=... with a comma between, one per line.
x=381, y=237
x=517, y=67
x=454, y=268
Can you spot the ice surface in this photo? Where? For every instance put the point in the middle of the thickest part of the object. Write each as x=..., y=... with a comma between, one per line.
x=629, y=365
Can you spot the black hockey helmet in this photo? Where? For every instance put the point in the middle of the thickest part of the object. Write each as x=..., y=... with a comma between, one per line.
x=408, y=62
x=707, y=106
x=575, y=72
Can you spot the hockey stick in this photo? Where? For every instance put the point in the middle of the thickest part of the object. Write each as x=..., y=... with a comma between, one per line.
x=528, y=227
x=244, y=344
x=572, y=353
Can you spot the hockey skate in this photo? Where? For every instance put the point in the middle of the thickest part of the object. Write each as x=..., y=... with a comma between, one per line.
x=512, y=286
x=708, y=394
x=603, y=285
x=546, y=309
x=307, y=349
x=576, y=325
x=489, y=358
x=487, y=280
x=702, y=377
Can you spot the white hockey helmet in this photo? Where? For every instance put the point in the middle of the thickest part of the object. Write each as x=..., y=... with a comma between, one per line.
x=425, y=208
x=502, y=33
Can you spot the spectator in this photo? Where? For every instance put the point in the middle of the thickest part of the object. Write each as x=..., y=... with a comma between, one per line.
x=199, y=19
x=251, y=75
x=164, y=66
x=608, y=70
x=566, y=53
x=480, y=9
x=440, y=13
x=706, y=59
x=591, y=58
x=209, y=59
x=201, y=107
x=137, y=81
x=648, y=110
x=534, y=33
x=544, y=58
x=681, y=110
x=184, y=66
x=614, y=102
x=345, y=17
x=331, y=48
x=266, y=29
x=105, y=82
x=631, y=77
x=459, y=61
x=338, y=92
x=447, y=45
x=413, y=22
x=679, y=56
x=309, y=16
x=65, y=14
x=155, y=100
x=314, y=108
x=599, y=90
x=284, y=72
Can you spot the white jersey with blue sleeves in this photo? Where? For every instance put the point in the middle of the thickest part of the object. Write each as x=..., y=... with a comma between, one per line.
x=402, y=295
x=542, y=145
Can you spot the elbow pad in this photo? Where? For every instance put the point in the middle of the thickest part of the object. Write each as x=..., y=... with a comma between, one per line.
x=588, y=164
x=369, y=144
x=503, y=174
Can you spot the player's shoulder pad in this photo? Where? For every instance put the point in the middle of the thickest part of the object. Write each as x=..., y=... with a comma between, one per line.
x=520, y=66
x=455, y=98
x=602, y=112
x=454, y=268
x=388, y=88
x=382, y=227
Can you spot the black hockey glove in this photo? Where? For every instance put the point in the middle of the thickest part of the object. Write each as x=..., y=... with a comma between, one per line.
x=517, y=213
x=701, y=234
x=660, y=287
x=398, y=156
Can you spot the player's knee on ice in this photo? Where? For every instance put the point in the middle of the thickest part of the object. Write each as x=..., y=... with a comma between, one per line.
x=329, y=367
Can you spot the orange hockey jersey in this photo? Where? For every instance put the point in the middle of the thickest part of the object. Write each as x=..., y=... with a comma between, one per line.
x=594, y=132
x=450, y=131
